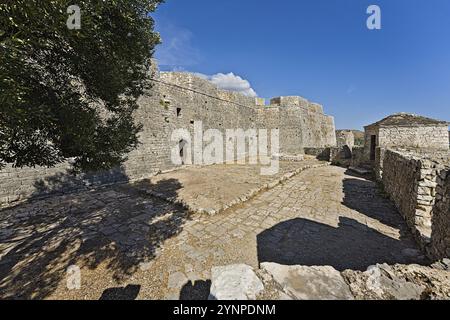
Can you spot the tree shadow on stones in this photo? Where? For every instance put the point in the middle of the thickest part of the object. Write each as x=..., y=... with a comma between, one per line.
x=351, y=245
x=366, y=197
x=130, y=292
x=199, y=290
x=69, y=182
x=119, y=227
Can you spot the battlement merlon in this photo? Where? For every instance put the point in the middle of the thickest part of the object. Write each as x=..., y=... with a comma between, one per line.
x=296, y=101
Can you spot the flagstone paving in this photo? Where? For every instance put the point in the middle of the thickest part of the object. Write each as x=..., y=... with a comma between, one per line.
x=129, y=245
x=211, y=189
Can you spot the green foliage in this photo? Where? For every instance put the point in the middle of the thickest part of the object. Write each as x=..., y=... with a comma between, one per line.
x=72, y=93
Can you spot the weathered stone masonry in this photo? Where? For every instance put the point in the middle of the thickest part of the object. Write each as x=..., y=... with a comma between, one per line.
x=440, y=236
x=176, y=101
x=418, y=184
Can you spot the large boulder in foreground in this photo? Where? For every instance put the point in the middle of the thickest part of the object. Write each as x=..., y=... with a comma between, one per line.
x=235, y=282
x=309, y=283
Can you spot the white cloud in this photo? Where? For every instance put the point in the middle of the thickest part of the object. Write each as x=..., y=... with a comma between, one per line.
x=230, y=82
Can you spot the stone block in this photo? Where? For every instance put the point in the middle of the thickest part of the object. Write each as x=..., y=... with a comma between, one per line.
x=235, y=282
x=309, y=283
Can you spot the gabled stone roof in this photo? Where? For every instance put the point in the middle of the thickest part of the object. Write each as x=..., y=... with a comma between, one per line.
x=408, y=119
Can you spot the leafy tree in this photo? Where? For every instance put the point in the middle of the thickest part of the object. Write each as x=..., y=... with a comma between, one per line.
x=72, y=93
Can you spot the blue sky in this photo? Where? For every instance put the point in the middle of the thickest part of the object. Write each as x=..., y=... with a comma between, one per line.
x=319, y=49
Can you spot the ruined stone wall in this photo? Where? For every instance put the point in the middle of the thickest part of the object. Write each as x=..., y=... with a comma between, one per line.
x=410, y=178
x=345, y=138
x=176, y=101
x=358, y=157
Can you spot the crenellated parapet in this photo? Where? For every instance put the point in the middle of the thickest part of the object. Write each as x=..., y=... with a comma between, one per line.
x=296, y=101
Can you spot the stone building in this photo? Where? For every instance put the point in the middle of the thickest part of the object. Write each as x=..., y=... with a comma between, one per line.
x=405, y=130
x=411, y=157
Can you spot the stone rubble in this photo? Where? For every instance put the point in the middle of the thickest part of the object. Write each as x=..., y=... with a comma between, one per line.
x=378, y=282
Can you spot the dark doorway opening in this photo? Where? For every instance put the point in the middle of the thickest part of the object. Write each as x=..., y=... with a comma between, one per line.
x=182, y=144
x=373, y=146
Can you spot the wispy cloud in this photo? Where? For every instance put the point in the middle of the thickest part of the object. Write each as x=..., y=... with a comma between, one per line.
x=176, y=50
x=351, y=88
x=177, y=53
x=230, y=82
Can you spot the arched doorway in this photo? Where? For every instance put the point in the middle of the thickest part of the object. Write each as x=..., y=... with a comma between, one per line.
x=182, y=147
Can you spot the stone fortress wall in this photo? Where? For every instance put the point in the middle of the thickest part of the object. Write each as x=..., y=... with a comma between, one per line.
x=176, y=101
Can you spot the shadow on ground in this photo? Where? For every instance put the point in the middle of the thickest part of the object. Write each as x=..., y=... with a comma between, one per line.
x=120, y=227
x=130, y=292
x=366, y=197
x=196, y=291
x=351, y=245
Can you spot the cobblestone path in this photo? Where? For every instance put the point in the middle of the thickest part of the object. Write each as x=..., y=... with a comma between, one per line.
x=129, y=245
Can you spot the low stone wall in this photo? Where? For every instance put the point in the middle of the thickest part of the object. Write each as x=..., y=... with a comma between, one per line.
x=340, y=156
x=414, y=181
x=401, y=181
x=440, y=235
x=20, y=184
x=322, y=154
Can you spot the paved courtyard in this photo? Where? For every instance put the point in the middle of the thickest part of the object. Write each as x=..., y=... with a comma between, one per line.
x=130, y=245
x=211, y=189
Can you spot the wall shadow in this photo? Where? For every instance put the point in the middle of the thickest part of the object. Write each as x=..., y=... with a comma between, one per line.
x=351, y=245
x=367, y=176
x=120, y=227
x=365, y=197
